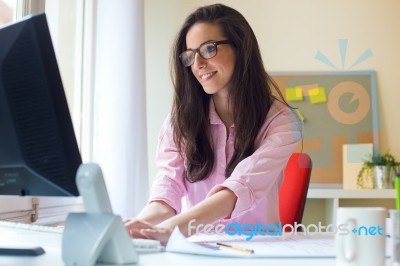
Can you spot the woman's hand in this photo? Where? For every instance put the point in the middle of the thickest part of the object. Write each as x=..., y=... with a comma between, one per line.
x=158, y=233
x=149, y=224
x=142, y=229
x=134, y=226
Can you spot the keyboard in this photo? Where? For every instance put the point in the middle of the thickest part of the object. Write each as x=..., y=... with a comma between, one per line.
x=32, y=227
x=51, y=236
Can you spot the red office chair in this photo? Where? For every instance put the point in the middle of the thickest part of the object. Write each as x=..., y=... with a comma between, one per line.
x=293, y=192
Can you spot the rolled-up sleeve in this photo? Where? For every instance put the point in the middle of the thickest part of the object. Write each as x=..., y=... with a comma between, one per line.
x=169, y=185
x=261, y=173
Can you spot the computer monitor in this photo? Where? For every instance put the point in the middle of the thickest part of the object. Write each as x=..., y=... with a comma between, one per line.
x=39, y=155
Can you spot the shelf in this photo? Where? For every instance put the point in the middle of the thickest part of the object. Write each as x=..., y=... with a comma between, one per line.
x=323, y=203
x=325, y=193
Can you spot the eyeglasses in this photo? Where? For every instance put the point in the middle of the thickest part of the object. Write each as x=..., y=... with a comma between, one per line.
x=206, y=50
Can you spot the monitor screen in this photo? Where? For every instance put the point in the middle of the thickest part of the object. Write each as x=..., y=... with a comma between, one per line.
x=39, y=155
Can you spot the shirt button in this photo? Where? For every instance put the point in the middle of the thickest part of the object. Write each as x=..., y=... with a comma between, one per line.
x=222, y=166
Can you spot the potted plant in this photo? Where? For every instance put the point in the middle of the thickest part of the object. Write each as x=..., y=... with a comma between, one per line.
x=378, y=171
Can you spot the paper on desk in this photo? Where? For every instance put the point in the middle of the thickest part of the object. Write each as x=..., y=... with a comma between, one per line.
x=179, y=244
x=264, y=246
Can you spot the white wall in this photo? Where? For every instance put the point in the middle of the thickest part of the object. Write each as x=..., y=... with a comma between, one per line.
x=289, y=33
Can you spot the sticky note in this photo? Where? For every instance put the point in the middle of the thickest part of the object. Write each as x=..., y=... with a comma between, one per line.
x=300, y=115
x=294, y=94
x=317, y=95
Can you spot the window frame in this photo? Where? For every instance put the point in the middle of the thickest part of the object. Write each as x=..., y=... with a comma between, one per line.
x=53, y=210
x=28, y=7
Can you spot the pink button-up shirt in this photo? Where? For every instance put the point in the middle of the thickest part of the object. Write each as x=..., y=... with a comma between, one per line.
x=255, y=180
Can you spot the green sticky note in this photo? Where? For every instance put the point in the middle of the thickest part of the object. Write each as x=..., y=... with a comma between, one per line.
x=300, y=115
x=317, y=95
x=294, y=94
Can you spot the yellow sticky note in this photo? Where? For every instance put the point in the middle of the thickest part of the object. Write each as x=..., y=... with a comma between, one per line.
x=294, y=94
x=317, y=95
x=300, y=115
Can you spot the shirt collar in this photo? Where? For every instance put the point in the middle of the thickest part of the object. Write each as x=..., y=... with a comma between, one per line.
x=214, y=117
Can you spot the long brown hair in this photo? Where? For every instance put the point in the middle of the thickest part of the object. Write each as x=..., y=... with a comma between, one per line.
x=250, y=94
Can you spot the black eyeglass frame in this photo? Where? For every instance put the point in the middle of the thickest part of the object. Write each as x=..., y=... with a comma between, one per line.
x=197, y=50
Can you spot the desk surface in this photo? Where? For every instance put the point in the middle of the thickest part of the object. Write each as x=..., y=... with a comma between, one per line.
x=53, y=257
x=52, y=245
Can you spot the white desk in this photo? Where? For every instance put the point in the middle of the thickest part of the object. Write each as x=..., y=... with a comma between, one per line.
x=52, y=245
x=53, y=257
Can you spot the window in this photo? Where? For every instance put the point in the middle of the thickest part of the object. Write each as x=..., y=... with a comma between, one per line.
x=7, y=11
x=65, y=19
x=79, y=37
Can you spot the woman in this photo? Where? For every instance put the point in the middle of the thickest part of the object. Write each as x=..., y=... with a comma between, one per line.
x=227, y=139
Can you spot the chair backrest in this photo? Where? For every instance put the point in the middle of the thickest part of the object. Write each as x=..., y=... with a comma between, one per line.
x=293, y=192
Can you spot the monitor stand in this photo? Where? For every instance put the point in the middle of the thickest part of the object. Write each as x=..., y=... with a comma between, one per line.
x=96, y=236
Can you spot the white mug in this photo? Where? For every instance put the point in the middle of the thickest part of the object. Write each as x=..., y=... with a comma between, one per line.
x=360, y=238
x=394, y=232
